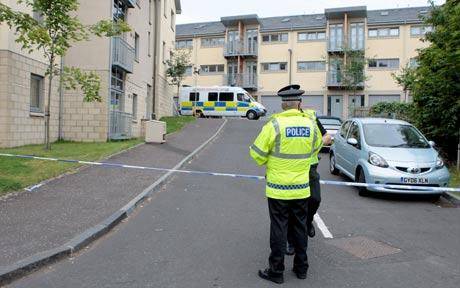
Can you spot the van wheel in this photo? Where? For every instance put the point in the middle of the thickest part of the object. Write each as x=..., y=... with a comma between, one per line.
x=363, y=192
x=199, y=114
x=251, y=115
x=332, y=167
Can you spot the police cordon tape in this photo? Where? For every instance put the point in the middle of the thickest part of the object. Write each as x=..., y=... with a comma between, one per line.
x=244, y=176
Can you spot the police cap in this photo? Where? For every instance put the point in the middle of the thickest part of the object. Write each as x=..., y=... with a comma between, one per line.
x=291, y=93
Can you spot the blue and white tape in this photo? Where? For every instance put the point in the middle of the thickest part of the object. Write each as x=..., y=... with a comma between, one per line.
x=244, y=176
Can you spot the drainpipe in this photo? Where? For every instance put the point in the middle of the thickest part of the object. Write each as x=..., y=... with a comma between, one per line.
x=61, y=95
x=156, y=32
x=290, y=66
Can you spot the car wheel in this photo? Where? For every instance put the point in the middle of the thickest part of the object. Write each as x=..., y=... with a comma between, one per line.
x=362, y=179
x=332, y=167
x=251, y=115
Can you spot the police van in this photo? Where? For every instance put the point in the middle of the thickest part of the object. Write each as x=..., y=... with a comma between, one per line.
x=219, y=101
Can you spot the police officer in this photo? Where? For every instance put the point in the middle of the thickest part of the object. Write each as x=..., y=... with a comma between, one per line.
x=286, y=146
x=315, y=187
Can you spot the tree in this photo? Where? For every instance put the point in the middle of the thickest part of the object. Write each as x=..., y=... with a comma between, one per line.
x=352, y=72
x=406, y=79
x=53, y=34
x=177, y=68
x=437, y=86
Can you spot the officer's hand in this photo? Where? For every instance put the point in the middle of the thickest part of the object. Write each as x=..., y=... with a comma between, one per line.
x=327, y=139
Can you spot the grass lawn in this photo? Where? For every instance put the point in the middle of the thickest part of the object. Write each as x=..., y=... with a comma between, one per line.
x=16, y=173
x=175, y=123
x=454, y=179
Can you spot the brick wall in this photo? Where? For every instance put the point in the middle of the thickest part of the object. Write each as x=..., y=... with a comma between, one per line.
x=18, y=126
x=86, y=121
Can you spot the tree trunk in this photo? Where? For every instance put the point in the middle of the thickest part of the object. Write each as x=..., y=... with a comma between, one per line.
x=47, y=107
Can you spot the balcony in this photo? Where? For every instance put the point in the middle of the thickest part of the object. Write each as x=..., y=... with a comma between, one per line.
x=335, y=46
x=335, y=80
x=120, y=125
x=245, y=81
x=122, y=54
x=238, y=48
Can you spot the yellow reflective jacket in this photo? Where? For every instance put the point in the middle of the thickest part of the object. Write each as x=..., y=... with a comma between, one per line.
x=286, y=145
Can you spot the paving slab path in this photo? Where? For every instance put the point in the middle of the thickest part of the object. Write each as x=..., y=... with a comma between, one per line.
x=49, y=216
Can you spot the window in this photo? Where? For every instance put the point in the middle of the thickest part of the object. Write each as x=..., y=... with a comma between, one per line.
x=354, y=133
x=188, y=71
x=165, y=8
x=344, y=129
x=134, y=107
x=311, y=66
x=36, y=93
x=243, y=97
x=212, y=42
x=209, y=69
x=149, y=44
x=356, y=36
x=413, y=62
x=277, y=66
x=226, y=96
x=194, y=96
x=136, y=46
x=184, y=44
x=212, y=96
x=119, y=10
x=173, y=20
x=150, y=12
x=384, y=63
x=420, y=30
x=311, y=36
x=383, y=32
x=273, y=38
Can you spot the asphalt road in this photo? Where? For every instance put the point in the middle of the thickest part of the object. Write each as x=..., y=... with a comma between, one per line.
x=201, y=231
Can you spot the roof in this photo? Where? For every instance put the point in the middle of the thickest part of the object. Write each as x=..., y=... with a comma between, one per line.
x=200, y=29
x=311, y=21
x=370, y=120
x=397, y=15
x=246, y=19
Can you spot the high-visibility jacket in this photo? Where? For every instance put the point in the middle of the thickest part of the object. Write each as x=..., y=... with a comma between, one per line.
x=286, y=145
x=312, y=115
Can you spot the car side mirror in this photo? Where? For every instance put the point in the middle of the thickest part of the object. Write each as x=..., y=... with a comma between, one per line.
x=432, y=144
x=352, y=141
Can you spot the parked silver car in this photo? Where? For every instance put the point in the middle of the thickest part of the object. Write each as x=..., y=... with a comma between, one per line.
x=331, y=124
x=385, y=151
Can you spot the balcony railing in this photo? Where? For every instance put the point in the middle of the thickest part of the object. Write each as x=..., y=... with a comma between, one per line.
x=122, y=54
x=130, y=3
x=238, y=48
x=335, y=46
x=335, y=79
x=339, y=46
x=247, y=81
x=120, y=125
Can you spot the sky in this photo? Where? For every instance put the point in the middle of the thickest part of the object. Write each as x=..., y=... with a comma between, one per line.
x=211, y=10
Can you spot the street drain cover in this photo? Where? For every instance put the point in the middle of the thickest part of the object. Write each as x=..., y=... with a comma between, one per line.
x=364, y=248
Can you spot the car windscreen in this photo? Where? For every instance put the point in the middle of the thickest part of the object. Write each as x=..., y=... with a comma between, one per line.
x=330, y=121
x=394, y=136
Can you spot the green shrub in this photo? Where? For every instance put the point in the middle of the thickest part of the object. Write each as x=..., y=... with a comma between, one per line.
x=397, y=110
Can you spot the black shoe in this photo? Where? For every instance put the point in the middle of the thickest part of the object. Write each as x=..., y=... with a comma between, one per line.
x=290, y=249
x=311, y=231
x=270, y=276
x=299, y=275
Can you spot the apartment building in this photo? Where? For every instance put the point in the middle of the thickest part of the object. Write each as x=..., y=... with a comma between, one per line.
x=131, y=66
x=264, y=54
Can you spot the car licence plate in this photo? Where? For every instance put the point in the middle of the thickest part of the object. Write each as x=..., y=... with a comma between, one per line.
x=409, y=180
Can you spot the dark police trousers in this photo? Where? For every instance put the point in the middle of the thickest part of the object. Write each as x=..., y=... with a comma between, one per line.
x=313, y=201
x=281, y=212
